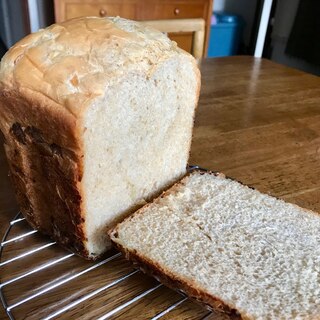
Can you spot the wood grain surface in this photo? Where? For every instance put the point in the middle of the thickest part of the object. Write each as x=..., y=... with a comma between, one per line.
x=257, y=122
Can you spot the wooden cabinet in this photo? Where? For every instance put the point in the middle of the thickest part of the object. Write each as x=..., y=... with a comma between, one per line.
x=73, y=10
x=172, y=10
x=140, y=10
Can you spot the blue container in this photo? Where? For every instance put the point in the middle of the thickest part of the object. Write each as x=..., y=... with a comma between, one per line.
x=225, y=35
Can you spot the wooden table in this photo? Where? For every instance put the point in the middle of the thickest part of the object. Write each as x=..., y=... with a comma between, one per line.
x=258, y=122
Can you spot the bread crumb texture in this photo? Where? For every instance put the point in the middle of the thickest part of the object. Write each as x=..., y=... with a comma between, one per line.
x=258, y=254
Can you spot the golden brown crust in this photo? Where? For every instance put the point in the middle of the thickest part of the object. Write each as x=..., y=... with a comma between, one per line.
x=71, y=63
x=45, y=166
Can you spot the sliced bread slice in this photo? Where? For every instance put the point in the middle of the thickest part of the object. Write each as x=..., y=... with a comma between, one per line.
x=229, y=246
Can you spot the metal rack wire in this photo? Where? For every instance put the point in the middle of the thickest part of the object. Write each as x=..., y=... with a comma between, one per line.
x=48, y=266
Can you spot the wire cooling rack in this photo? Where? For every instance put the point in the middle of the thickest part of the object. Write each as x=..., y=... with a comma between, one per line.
x=40, y=280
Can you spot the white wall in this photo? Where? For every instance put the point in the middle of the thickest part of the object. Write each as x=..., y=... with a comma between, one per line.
x=218, y=5
x=41, y=14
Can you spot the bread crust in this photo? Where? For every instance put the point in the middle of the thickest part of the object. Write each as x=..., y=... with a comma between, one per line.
x=45, y=163
x=198, y=76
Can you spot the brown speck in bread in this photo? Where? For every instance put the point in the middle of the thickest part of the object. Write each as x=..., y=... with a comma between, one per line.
x=18, y=133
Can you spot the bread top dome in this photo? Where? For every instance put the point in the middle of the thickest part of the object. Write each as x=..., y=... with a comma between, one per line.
x=75, y=61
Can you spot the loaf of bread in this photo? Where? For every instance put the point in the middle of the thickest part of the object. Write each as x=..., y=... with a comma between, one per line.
x=229, y=246
x=97, y=115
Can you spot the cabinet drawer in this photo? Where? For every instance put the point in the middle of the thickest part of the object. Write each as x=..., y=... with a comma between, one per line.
x=73, y=10
x=172, y=11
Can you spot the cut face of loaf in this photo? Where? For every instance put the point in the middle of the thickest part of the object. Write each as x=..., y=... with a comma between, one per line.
x=97, y=115
x=230, y=247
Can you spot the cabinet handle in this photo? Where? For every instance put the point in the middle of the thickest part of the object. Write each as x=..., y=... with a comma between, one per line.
x=176, y=11
x=102, y=13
